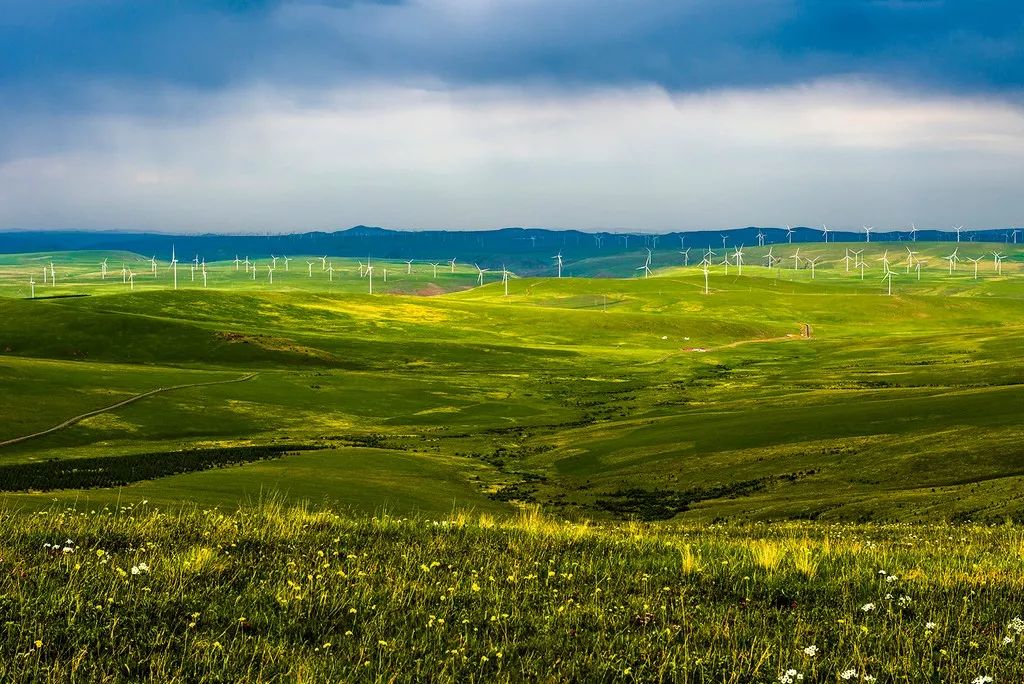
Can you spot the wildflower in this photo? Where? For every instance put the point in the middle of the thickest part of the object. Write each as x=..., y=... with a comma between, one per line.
x=929, y=626
x=1017, y=625
x=1007, y=640
x=868, y=607
x=39, y=643
x=982, y=679
x=811, y=651
x=848, y=674
x=790, y=676
x=869, y=678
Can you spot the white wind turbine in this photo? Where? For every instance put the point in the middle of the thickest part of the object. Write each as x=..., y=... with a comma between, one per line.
x=958, y=229
x=286, y=260
x=131, y=280
x=204, y=274
x=53, y=275
x=103, y=269
x=738, y=258
x=952, y=259
x=451, y=262
x=246, y=264
x=236, y=262
x=385, y=269
x=885, y=259
x=330, y=272
x=124, y=274
x=253, y=271
x=558, y=260
x=435, y=268
x=174, y=267
x=323, y=263
x=152, y=264
x=724, y=238
x=789, y=235
x=888, y=277
x=362, y=269
x=911, y=258
x=760, y=239
x=913, y=232
x=369, y=273
x=270, y=274
x=408, y=267
x=32, y=287
x=770, y=257
x=813, y=262
x=686, y=256
x=846, y=259
x=867, y=233
x=824, y=232
x=997, y=262
x=309, y=267
x=704, y=267
x=975, y=262
x=505, y=275
x=646, y=268
x=796, y=259
x=273, y=261
x=480, y=273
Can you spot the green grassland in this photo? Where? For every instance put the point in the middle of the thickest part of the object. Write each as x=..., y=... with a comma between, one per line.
x=596, y=398
x=271, y=593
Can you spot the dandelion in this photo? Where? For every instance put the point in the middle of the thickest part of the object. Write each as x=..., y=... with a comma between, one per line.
x=811, y=651
x=868, y=607
x=39, y=643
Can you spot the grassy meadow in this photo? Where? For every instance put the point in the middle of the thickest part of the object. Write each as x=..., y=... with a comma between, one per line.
x=587, y=478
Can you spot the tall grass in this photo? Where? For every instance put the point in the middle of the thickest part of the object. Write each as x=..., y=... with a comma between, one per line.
x=278, y=593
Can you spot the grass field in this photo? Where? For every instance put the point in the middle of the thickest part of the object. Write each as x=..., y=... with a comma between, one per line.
x=270, y=593
x=582, y=479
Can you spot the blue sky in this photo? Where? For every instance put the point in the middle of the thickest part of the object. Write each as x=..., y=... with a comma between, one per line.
x=636, y=114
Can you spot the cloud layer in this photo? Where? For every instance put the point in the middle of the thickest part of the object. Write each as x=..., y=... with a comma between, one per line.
x=654, y=114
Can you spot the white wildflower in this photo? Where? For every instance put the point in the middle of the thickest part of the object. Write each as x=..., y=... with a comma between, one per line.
x=848, y=674
x=811, y=651
x=868, y=607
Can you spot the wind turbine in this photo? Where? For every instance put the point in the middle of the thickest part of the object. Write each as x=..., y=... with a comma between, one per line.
x=246, y=264
x=152, y=264
x=32, y=286
x=867, y=233
x=686, y=256
x=505, y=275
x=738, y=257
x=103, y=269
x=646, y=268
x=598, y=240
x=910, y=259
x=174, y=267
x=131, y=280
x=236, y=262
x=952, y=259
x=796, y=259
x=724, y=238
x=385, y=269
x=480, y=273
x=558, y=259
x=958, y=229
x=704, y=264
x=789, y=234
x=888, y=277
x=408, y=267
x=885, y=259
x=369, y=272
x=124, y=274
x=760, y=239
x=813, y=262
x=53, y=275
x=997, y=262
x=770, y=257
x=330, y=272
x=204, y=275
x=323, y=263
x=270, y=274
x=253, y=270
x=273, y=261
x=913, y=232
x=435, y=268
x=286, y=260
x=824, y=232
x=975, y=262
x=309, y=267
x=847, y=259
x=362, y=269
x=451, y=262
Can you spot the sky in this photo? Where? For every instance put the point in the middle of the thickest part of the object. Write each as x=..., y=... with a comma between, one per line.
x=642, y=115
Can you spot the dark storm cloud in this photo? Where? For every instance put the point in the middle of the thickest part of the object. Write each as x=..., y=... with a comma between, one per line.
x=57, y=52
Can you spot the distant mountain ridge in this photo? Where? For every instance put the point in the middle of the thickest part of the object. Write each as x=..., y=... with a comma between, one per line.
x=530, y=249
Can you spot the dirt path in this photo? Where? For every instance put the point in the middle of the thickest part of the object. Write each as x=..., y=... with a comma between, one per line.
x=71, y=421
